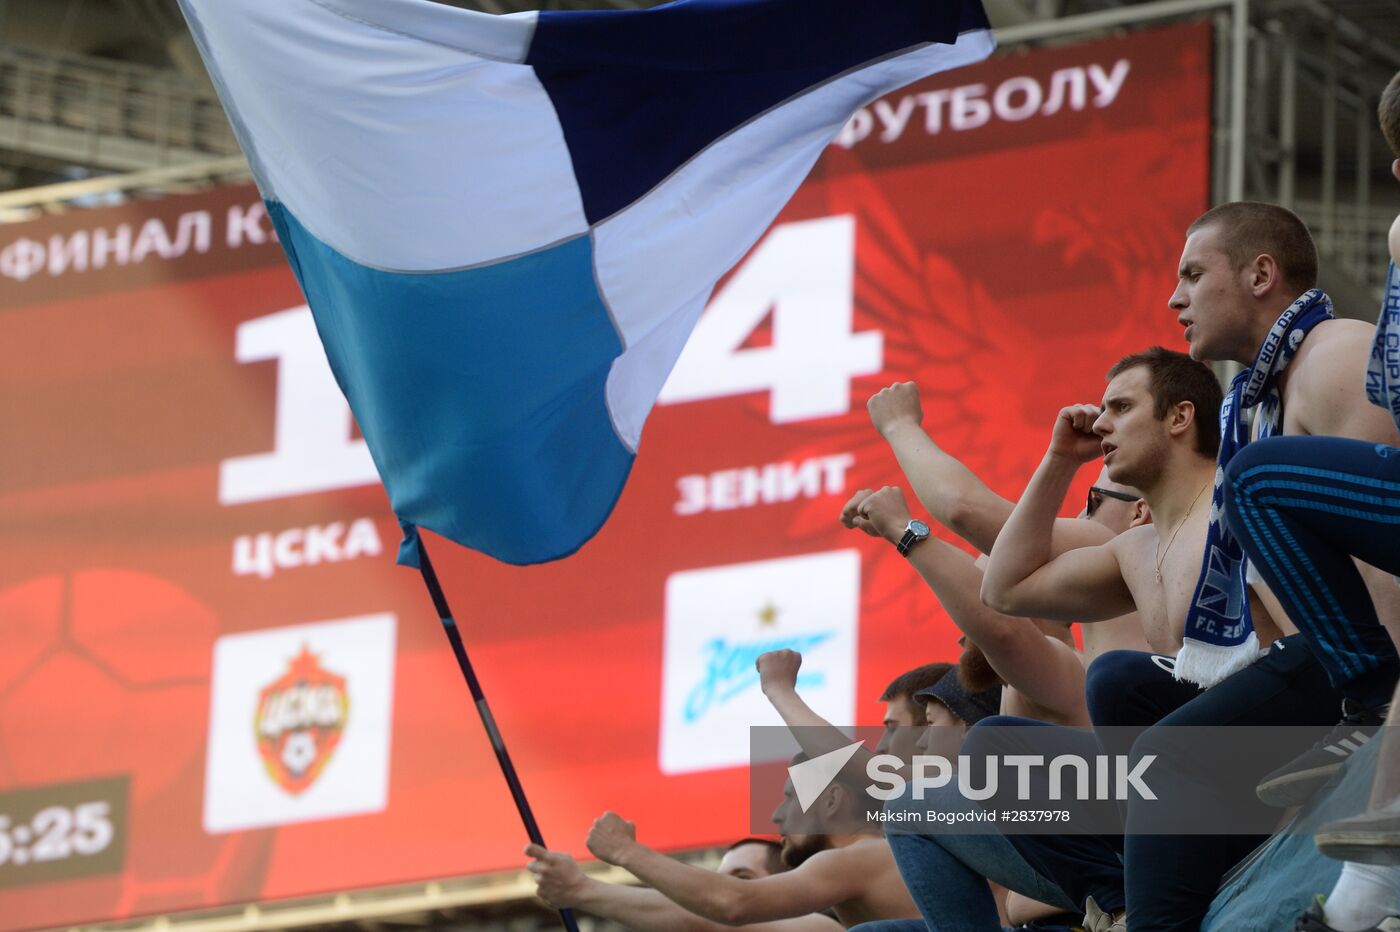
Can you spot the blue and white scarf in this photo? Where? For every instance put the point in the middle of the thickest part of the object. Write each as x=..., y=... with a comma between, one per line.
x=1220, y=637
x=1383, y=371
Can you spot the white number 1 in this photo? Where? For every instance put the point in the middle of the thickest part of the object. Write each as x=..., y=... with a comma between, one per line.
x=312, y=450
x=805, y=274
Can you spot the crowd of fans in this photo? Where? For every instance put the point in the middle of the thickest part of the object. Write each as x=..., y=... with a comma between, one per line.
x=1235, y=565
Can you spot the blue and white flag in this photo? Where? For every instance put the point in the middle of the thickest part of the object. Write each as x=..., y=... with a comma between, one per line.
x=506, y=226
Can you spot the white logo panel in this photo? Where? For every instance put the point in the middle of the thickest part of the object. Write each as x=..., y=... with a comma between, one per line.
x=300, y=723
x=719, y=619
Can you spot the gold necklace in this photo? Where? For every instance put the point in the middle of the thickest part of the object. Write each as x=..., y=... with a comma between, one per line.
x=1162, y=554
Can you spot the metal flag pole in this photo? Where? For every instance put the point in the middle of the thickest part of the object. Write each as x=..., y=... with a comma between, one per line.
x=498, y=743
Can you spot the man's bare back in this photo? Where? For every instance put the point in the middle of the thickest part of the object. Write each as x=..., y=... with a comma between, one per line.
x=882, y=891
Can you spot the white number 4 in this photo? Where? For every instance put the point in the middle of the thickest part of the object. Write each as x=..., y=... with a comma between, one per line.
x=805, y=273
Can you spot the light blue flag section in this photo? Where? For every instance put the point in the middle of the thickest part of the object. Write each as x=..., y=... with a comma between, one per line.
x=507, y=226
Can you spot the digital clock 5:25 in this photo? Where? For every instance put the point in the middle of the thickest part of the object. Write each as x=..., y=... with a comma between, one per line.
x=62, y=832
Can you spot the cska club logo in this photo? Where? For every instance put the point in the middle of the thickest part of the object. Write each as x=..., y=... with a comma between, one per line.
x=301, y=716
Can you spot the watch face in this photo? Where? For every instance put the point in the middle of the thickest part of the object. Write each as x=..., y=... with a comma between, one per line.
x=919, y=528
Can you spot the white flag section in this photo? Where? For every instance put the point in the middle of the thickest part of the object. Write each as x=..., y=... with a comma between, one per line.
x=507, y=226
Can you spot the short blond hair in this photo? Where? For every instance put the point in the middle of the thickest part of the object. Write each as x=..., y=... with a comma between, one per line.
x=1250, y=228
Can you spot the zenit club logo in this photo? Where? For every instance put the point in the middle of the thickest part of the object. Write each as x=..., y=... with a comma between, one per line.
x=300, y=718
x=730, y=668
x=720, y=618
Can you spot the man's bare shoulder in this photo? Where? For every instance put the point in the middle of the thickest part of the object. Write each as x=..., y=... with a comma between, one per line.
x=1324, y=387
x=1134, y=540
x=1330, y=357
x=1333, y=340
x=862, y=854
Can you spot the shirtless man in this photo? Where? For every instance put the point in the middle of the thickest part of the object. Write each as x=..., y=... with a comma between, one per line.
x=850, y=872
x=563, y=884
x=1156, y=429
x=1153, y=434
x=944, y=888
x=853, y=874
x=1247, y=292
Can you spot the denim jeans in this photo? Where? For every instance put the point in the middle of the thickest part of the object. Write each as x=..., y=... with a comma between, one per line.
x=947, y=873
x=1080, y=864
x=1171, y=879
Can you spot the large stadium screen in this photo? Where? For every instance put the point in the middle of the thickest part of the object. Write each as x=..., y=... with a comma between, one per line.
x=216, y=686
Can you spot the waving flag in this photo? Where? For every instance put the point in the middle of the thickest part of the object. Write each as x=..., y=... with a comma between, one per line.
x=506, y=226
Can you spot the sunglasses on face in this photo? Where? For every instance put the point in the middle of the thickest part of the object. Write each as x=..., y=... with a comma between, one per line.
x=1097, y=495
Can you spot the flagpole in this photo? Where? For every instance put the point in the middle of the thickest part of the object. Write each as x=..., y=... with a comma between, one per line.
x=498, y=743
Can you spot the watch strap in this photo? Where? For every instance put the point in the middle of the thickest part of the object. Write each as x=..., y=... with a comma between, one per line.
x=907, y=542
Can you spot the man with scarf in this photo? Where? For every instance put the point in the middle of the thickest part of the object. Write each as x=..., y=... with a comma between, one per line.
x=1247, y=292
x=1334, y=498
x=1158, y=431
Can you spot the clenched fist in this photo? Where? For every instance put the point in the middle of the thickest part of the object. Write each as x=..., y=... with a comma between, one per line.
x=777, y=670
x=880, y=514
x=1073, y=437
x=610, y=837
x=895, y=406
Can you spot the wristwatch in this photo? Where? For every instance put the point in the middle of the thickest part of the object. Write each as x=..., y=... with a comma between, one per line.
x=914, y=532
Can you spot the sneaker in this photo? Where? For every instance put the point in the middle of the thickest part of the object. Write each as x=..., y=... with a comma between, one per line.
x=1313, y=921
x=1296, y=781
x=1369, y=838
x=1096, y=920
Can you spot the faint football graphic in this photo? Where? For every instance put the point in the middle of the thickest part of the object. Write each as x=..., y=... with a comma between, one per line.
x=106, y=672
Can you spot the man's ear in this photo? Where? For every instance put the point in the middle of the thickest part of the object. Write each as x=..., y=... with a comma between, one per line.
x=1142, y=514
x=1395, y=169
x=1181, y=417
x=831, y=801
x=1264, y=274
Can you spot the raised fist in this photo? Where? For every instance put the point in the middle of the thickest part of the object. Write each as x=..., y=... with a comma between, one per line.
x=898, y=404
x=777, y=669
x=1074, y=437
